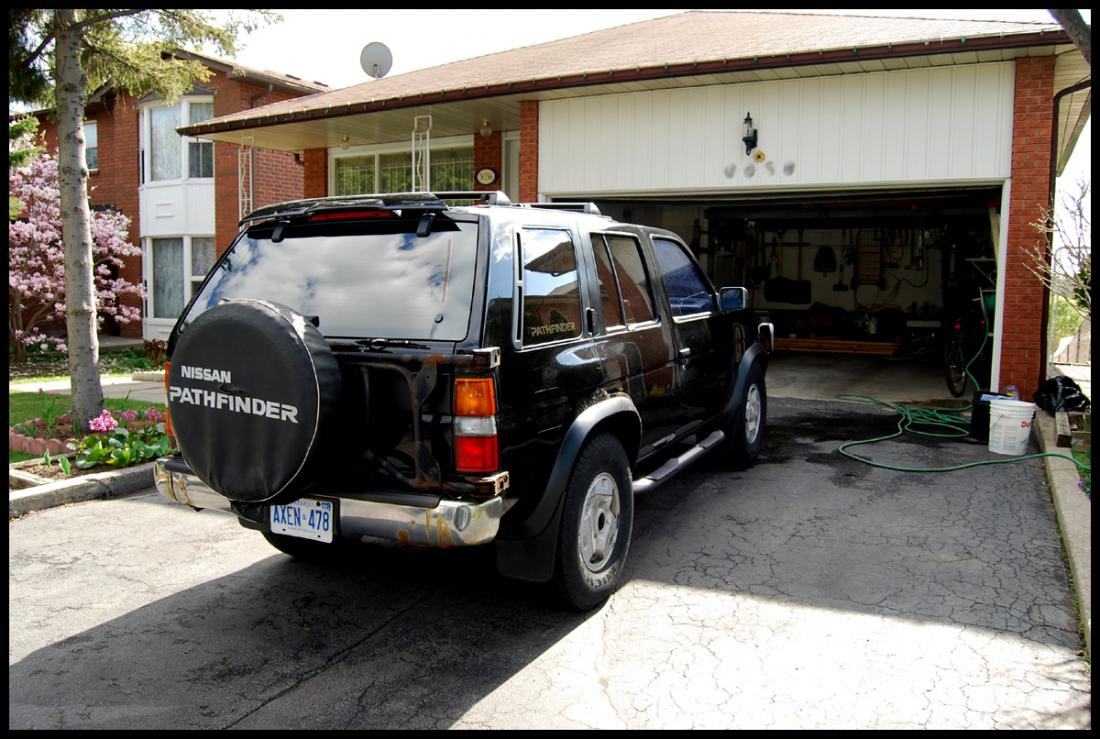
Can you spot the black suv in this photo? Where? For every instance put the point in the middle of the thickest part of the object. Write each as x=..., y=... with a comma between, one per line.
x=441, y=375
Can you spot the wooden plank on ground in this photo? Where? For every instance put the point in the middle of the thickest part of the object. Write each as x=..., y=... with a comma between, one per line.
x=836, y=346
x=1065, y=431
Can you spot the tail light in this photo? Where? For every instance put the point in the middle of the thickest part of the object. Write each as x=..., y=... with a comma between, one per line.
x=475, y=425
x=167, y=409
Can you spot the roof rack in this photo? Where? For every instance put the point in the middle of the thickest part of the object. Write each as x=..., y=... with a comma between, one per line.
x=492, y=197
x=388, y=201
x=579, y=207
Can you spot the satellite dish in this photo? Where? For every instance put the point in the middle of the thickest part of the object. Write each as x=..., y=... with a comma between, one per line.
x=376, y=59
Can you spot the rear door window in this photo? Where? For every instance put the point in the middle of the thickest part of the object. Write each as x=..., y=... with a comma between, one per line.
x=359, y=279
x=624, y=284
x=551, y=292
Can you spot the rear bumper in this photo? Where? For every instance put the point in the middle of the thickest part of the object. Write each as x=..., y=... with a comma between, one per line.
x=450, y=523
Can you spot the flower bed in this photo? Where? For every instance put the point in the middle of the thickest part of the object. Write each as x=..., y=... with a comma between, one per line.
x=69, y=450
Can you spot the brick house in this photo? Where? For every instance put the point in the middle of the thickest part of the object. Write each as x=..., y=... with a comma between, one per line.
x=888, y=169
x=183, y=196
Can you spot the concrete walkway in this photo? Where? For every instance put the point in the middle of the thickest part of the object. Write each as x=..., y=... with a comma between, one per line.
x=113, y=387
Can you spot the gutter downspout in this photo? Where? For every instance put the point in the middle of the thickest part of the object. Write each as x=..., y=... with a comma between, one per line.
x=1044, y=340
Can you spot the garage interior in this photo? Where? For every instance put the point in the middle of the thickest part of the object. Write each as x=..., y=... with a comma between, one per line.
x=861, y=287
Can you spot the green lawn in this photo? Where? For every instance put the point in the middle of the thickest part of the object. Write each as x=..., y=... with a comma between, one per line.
x=28, y=406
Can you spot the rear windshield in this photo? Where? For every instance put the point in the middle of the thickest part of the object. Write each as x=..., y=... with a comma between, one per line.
x=359, y=280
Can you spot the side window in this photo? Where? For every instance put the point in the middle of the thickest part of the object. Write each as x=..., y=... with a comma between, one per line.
x=551, y=293
x=91, y=145
x=687, y=289
x=633, y=281
x=609, y=290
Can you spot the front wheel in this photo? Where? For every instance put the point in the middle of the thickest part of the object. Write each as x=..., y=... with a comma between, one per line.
x=745, y=433
x=596, y=525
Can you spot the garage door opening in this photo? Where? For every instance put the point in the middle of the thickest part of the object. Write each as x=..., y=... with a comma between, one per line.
x=886, y=275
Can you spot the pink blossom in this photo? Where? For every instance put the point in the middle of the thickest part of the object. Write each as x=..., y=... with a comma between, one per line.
x=105, y=422
x=152, y=414
x=36, y=258
x=129, y=415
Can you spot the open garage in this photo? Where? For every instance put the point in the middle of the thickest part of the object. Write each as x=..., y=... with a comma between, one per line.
x=882, y=274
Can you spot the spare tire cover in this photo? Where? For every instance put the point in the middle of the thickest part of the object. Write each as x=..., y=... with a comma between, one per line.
x=252, y=388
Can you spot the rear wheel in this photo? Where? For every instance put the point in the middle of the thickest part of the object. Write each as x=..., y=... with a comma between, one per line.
x=954, y=367
x=596, y=525
x=306, y=550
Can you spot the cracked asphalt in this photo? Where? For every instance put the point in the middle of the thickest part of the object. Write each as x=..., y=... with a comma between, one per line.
x=807, y=592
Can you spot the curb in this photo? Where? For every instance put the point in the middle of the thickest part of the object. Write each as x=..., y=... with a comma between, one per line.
x=1074, y=512
x=148, y=376
x=88, y=487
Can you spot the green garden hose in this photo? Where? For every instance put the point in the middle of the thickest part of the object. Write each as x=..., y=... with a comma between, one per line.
x=942, y=424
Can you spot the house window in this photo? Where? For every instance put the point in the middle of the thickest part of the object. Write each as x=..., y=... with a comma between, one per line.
x=164, y=143
x=176, y=269
x=200, y=154
x=451, y=169
x=203, y=257
x=171, y=156
x=167, y=274
x=91, y=145
x=354, y=175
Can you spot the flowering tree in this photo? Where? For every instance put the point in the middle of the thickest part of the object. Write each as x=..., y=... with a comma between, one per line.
x=36, y=260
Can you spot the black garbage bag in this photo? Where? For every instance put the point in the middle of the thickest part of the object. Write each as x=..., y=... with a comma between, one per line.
x=1061, y=394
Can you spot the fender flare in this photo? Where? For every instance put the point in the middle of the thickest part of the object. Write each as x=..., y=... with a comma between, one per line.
x=531, y=555
x=756, y=354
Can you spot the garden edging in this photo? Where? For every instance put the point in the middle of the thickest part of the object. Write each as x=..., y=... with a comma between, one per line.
x=87, y=487
x=1074, y=513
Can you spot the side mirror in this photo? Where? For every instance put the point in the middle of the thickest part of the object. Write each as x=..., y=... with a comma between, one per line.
x=733, y=298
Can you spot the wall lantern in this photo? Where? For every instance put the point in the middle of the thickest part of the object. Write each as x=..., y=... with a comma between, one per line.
x=486, y=129
x=750, y=135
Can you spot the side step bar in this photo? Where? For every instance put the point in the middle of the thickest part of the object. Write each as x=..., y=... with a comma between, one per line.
x=675, y=465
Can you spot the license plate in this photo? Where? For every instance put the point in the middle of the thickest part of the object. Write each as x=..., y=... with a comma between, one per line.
x=306, y=518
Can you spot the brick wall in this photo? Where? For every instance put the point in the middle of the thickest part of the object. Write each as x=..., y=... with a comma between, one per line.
x=1022, y=347
x=488, y=153
x=276, y=175
x=316, y=173
x=529, y=151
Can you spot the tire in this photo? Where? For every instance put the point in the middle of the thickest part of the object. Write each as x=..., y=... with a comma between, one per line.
x=596, y=525
x=253, y=393
x=309, y=551
x=954, y=368
x=745, y=433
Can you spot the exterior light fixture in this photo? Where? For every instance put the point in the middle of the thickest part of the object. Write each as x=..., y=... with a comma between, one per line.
x=486, y=129
x=750, y=135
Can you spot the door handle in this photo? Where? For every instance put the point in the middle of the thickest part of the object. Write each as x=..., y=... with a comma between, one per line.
x=685, y=355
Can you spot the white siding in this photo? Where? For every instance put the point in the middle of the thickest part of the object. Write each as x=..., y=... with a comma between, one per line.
x=938, y=125
x=176, y=208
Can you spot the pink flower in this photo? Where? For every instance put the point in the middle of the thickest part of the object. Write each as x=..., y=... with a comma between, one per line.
x=129, y=415
x=105, y=422
x=152, y=414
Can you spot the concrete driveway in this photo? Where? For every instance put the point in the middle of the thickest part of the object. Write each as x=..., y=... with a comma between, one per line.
x=807, y=592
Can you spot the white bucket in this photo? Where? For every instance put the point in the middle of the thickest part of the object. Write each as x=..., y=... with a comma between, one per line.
x=1009, y=426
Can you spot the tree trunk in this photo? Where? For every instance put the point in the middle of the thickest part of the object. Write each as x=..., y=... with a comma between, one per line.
x=80, y=298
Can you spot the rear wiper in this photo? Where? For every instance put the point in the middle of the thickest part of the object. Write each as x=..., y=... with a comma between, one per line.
x=381, y=344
